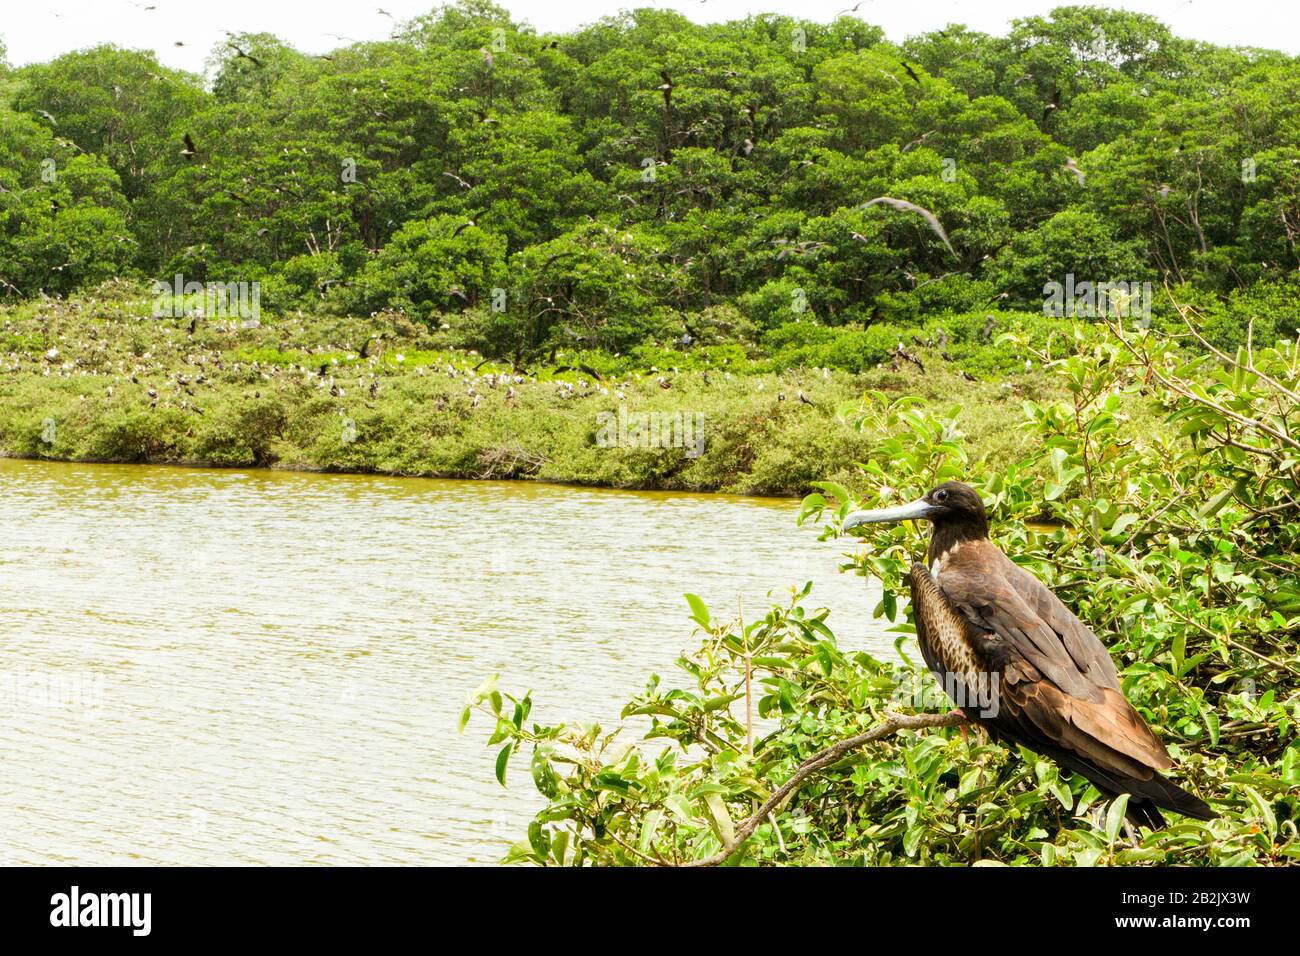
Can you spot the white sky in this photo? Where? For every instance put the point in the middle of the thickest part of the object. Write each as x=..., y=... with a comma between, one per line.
x=39, y=31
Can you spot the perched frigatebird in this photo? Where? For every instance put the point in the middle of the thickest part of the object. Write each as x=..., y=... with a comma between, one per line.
x=1016, y=661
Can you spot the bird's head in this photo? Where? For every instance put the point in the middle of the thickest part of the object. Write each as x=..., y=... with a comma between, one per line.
x=951, y=506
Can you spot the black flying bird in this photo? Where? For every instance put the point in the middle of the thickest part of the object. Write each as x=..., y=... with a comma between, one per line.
x=1016, y=660
x=245, y=55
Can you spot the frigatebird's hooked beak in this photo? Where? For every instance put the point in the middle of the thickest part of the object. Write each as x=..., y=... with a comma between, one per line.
x=920, y=508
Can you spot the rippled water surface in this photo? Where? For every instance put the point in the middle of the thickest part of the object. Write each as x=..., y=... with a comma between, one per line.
x=261, y=667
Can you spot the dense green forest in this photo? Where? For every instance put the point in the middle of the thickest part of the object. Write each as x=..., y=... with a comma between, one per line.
x=647, y=181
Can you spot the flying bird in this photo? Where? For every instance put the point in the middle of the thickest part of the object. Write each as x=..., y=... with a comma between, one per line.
x=666, y=88
x=190, y=150
x=928, y=216
x=1073, y=167
x=245, y=55
x=1053, y=104
x=1016, y=661
x=911, y=73
x=919, y=141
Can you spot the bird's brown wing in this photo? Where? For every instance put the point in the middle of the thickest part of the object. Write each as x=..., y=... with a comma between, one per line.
x=1058, y=681
x=1108, y=734
x=1000, y=596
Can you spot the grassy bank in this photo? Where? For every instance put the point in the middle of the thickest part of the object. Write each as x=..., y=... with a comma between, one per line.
x=96, y=379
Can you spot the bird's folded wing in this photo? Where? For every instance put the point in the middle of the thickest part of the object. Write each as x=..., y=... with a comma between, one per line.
x=1109, y=734
x=1084, y=647
x=999, y=596
x=1059, y=675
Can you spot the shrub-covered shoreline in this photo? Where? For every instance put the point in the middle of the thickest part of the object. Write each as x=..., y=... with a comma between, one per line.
x=96, y=379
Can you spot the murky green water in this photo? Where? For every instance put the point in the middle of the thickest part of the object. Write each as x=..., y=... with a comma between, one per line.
x=258, y=667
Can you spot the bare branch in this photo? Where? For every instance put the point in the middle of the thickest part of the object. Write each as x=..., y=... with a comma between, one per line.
x=893, y=724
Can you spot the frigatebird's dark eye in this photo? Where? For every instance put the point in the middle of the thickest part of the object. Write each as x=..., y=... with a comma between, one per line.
x=941, y=496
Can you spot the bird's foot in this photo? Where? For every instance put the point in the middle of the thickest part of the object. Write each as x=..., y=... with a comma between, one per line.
x=960, y=727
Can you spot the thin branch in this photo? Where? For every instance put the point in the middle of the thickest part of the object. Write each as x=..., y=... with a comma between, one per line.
x=1230, y=360
x=1208, y=402
x=1231, y=641
x=893, y=723
x=657, y=860
x=1144, y=358
x=771, y=818
x=749, y=688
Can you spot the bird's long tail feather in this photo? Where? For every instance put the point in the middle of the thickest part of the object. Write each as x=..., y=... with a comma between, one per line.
x=1146, y=797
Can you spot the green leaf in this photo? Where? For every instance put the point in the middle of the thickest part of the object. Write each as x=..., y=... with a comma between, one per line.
x=649, y=827
x=1123, y=523
x=912, y=839
x=1088, y=856
x=721, y=702
x=538, y=841
x=680, y=807
x=1211, y=719
x=1178, y=649
x=1063, y=795
x=1215, y=504
x=699, y=610
x=560, y=846
x=811, y=505
x=486, y=688
x=1264, y=810
x=503, y=758
x=726, y=830
x=1115, y=816
x=837, y=490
